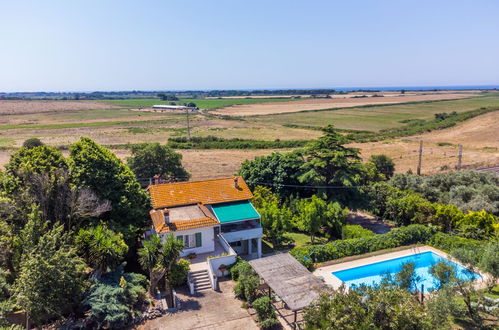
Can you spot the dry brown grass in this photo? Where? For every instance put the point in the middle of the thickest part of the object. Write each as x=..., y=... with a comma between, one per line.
x=479, y=137
x=8, y=107
x=338, y=101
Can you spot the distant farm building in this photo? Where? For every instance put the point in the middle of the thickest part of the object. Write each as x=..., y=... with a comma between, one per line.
x=173, y=107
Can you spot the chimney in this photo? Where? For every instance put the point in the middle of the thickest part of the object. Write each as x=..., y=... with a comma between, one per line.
x=166, y=214
x=236, y=183
x=156, y=179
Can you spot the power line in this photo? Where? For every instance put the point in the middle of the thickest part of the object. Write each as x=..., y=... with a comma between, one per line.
x=305, y=186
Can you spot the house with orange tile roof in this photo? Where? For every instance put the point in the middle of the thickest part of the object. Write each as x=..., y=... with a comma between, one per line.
x=213, y=218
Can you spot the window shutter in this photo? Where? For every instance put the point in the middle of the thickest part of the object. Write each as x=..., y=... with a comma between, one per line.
x=198, y=240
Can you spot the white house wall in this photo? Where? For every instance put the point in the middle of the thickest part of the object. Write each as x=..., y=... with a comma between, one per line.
x=207, y=240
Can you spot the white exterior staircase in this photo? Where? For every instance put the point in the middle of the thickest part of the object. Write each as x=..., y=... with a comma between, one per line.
x=201, y=280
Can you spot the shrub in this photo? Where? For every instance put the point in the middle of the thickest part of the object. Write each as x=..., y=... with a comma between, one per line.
x=468, y=190
x=355, y=231
x=178, y=272
x=448, y=242
x=240, y=267
x=113, y=300
x=477, y=225
x=246, y=285
x=32, y=143
x=247, y=280
x=412, y=234
x=266, y=313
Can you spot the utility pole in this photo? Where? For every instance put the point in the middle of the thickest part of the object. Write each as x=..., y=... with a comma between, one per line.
x=459, y=157
x=188, y=125
x=420, y=157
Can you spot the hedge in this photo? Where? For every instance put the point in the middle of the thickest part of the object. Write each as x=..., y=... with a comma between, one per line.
x=412, y=234
x=448, y=242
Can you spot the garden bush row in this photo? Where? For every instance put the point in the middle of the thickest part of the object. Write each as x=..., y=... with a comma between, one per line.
x=412, y=234
x=213, y=142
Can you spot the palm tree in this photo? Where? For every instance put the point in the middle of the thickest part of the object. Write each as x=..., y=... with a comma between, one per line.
x=157, y=259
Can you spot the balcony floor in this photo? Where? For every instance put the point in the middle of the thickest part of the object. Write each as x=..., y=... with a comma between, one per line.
x=199, y=263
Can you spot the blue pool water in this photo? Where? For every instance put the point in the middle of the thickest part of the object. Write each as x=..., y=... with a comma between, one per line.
x=374, y=273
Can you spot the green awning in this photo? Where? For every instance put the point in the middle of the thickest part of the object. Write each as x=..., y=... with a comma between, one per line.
x=236, y=211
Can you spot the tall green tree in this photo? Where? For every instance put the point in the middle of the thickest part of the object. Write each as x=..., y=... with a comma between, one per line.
x=157, y=258
x=329, y=161
x=101, y=248
x=96, y=168
x=150, y=159
x=51, y=278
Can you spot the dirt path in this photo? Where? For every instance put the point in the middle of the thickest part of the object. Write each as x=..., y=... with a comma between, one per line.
x=369, y=222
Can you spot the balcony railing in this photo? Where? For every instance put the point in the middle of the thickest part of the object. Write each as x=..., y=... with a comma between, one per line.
x=242, y=231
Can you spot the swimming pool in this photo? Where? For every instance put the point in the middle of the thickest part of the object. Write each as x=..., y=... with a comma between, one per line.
x=375, y=272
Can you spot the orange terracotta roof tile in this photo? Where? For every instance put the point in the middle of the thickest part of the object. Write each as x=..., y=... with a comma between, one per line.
x=205, y=192
x=187, y=224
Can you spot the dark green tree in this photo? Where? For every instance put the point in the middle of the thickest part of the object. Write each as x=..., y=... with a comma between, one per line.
x=114, y=299
x=94, y=167
x=383, y=164
x=32, y=143
x=329, y=161
x=150, y=159
x=275, y=171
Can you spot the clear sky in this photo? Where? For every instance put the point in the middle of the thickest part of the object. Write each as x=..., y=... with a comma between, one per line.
x=87, y=45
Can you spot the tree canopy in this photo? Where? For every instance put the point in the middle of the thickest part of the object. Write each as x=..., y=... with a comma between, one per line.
x=96, y=168
x=150, y=159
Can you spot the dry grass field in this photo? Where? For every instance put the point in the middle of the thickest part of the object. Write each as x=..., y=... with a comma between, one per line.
x=60, y=123
x=479, y=137
x=337, y=101
x=8, y=107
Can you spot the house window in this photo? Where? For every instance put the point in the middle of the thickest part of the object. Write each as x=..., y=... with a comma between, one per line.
x=191, y=241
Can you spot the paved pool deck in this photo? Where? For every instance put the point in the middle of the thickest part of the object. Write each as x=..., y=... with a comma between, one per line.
x=326, y=272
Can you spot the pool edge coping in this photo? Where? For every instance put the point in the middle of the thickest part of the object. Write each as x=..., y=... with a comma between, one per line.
x=326, y=272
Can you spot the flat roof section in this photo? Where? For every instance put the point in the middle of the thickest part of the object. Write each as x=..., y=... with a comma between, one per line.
x=237, y=211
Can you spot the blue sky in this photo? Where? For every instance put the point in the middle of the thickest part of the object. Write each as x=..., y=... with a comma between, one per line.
x=60, y=45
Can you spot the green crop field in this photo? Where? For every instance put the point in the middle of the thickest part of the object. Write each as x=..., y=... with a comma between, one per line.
x=376, y=118
x=201, y=103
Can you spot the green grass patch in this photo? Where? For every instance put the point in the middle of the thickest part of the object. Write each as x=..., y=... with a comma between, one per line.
x=302, y=239
x=375, y=118
x=200, y=103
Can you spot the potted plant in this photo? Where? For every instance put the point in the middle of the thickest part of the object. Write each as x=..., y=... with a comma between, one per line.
x=222, y=269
